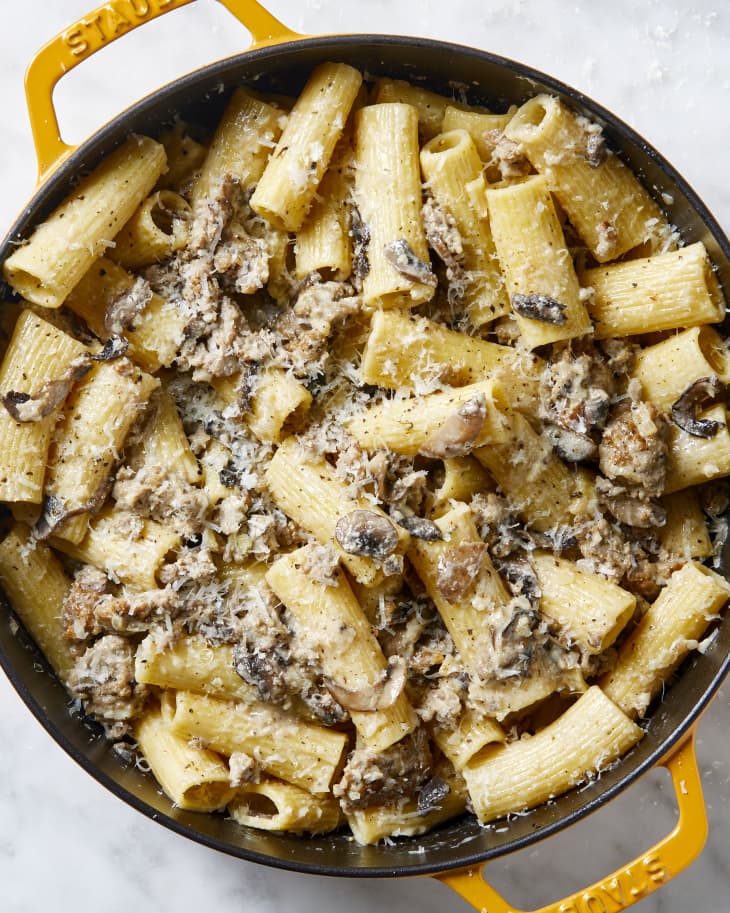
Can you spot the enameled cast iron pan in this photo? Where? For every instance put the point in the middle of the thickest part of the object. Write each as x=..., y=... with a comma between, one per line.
x=279, y=60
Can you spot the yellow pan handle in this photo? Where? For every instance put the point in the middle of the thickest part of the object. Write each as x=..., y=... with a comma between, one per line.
x=89, y=34
x=636, y=880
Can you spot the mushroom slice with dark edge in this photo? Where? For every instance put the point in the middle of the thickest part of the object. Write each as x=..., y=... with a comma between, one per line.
x=418, y=527
x=55, y=512
x=360, y=234
x=703, y=393
x=458, y=568
x=32, y=407
x=400, y=255
x=596, y=150
x=378, y=696
x=521, y=579
x=114, y=347
x=539, y=307
x=459, y=433
x=121, y=313
x=432, y=794
x=366, y=533
x=636, y=512
x=571, y=446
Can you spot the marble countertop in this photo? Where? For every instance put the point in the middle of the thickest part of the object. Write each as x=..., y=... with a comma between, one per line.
x=68, y=845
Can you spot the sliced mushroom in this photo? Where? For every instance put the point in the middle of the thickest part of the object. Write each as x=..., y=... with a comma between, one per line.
x=559, y=538
x=317, y=699
x=418, y=527
x=458, y=569
x=55, y=511
x=596, y=150
x=360, y=233
x=459, y=433
x=714, y=498
x=539, y=307
x=636, y=512
x=366, y=533
x=400, y=255
x=571, y=446
x=264, y=669
x=703, y=393
x=432, y=794
x=521, y=579
x=114, y=347
x=518, y=640
x=121, y=313
x=32, y=407
x=378, y=696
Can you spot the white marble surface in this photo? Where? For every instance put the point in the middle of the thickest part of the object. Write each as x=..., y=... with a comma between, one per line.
x=68, y=845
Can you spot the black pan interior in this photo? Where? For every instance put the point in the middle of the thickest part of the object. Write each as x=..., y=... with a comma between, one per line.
x=200, y=97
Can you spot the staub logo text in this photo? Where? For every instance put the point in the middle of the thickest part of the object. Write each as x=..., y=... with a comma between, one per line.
x=621, y=890
x=109, y=21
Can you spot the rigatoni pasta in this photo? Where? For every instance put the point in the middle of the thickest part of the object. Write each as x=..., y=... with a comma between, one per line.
x=540, y=276
x=662, y=292
x=240, y=147
x=375, y=472
x=402, y=351
x=66, y=244
x=666, y=633
x=329, y=620
x=604, y=200
x=273, y=805
x=99, y=414
x=453, y=173
x=388, y=198
x=590, y=735
x=157, y=229
x=323, y=243
x=38, y=354
x=301, y=753
x=196, y=778
x=286, y=190
x=36, y=584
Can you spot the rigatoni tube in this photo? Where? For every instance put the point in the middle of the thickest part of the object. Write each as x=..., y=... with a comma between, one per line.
x=662, y=292
x=453, y=172
x=589, y=736
x=604, y=200
x=665, y=635
x=388, y=197
x=99, y=413
x=589, y=610
x=287, y=188
x=38, y=355
x=65, y=245
x=156, y=230
x=284, y=746
x=541, y=281
x=327, y=618
x=36, y=586
x=157, y=328
x=195, y=778
x=241, y=145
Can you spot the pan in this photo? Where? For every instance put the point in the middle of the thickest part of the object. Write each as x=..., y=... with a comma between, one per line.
x=279, y=60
